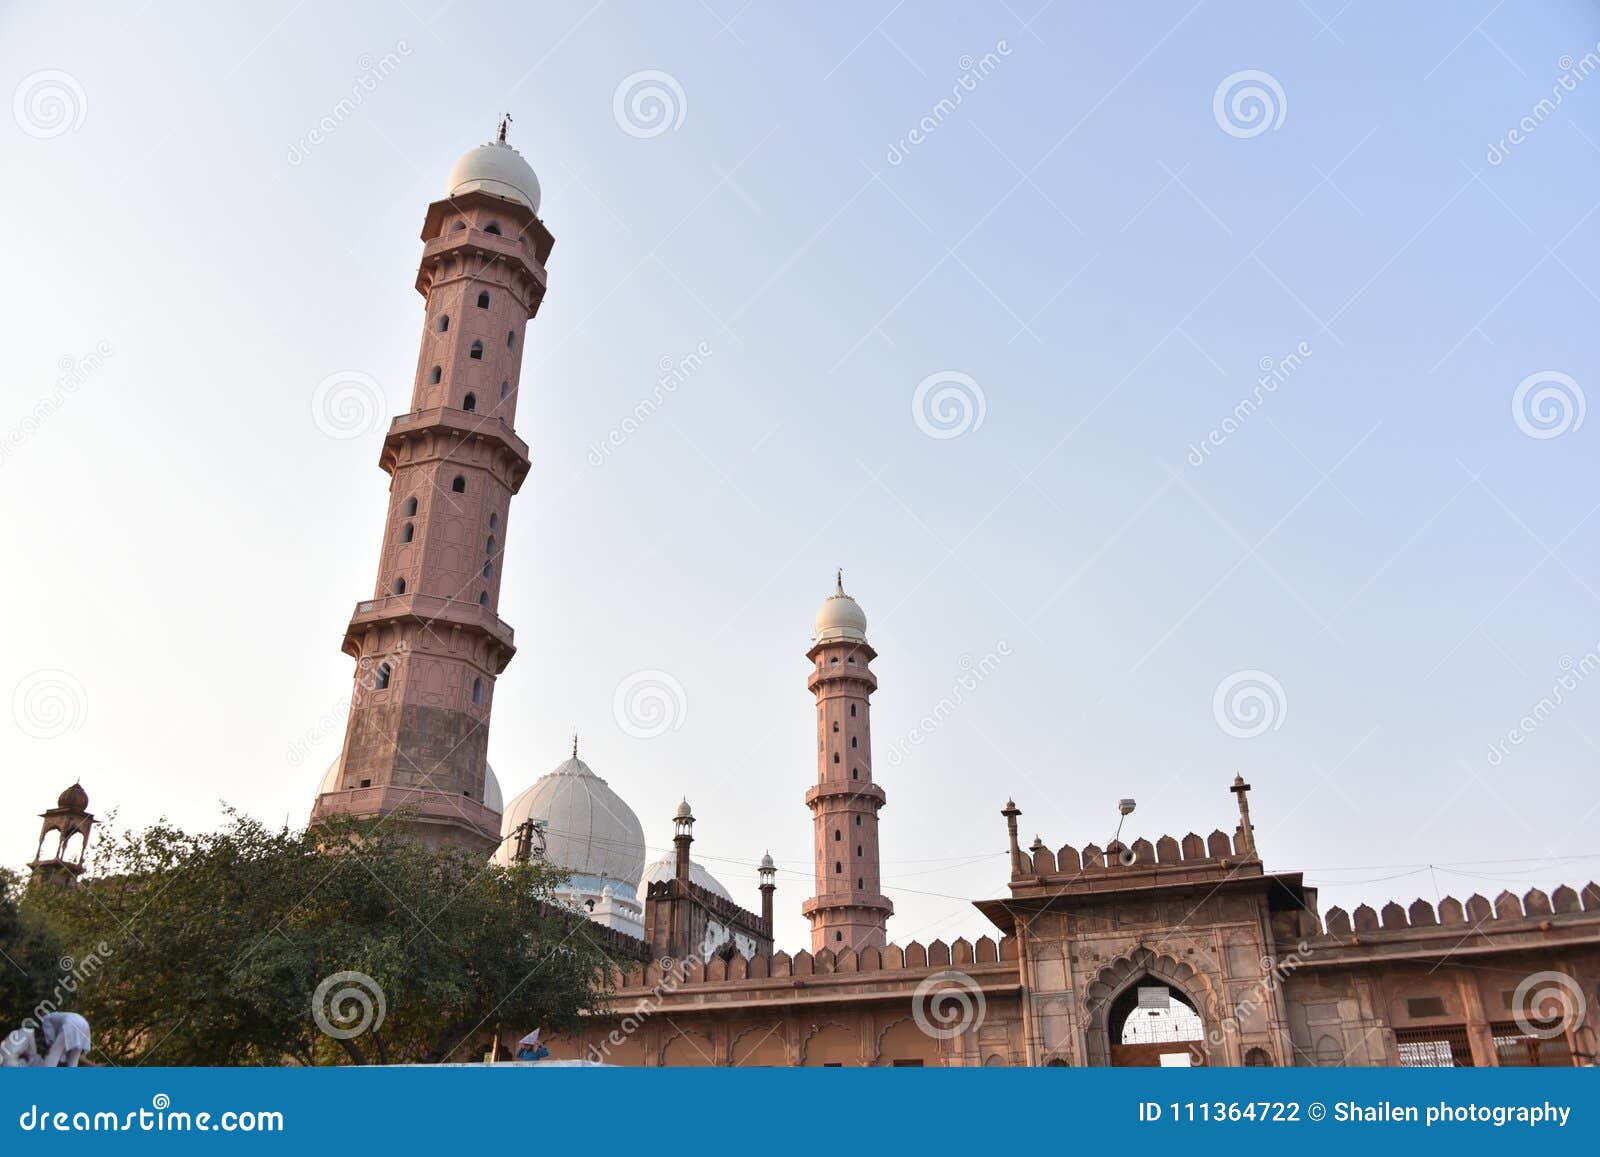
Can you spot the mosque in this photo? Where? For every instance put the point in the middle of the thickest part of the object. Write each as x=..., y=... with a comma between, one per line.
x=1175, y=951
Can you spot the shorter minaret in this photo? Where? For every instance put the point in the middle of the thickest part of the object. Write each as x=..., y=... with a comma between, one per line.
x=1244, y=839
x=849, y=909
x=768, y=872
x=70, y=817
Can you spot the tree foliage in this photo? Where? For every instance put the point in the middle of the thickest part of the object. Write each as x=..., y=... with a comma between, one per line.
x=30, y=961
x=218, y=945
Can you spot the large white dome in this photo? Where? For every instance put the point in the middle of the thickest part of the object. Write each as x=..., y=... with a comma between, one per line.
x=589, y=830
x=495, y=167
x=492, y=797
x=667, y=867
x=841, y=617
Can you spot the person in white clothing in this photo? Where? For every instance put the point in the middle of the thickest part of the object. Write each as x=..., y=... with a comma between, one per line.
x=66, y=1039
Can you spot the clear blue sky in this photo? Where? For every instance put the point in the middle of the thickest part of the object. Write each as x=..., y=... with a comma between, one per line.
x=1081, y=236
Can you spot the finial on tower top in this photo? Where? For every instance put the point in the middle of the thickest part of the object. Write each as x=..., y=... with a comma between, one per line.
x=574, y=745
x=505, y=123
x=838, y=581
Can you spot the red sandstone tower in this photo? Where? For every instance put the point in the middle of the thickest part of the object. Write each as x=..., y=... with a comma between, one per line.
x=848, y=911
x=430, y=641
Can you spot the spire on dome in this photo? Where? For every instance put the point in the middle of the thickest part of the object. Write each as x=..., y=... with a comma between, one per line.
x=505, y=123
x=838, y=581
x=574, y=745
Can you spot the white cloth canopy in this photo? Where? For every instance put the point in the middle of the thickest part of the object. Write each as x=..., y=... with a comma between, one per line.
x=68, y=1025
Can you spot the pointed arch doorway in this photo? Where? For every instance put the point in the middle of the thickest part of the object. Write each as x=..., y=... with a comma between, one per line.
x=1145, y=1011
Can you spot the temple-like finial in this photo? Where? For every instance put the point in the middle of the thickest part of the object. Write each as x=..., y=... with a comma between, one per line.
x=574, y=745
x=838, y=581
x=505, y=123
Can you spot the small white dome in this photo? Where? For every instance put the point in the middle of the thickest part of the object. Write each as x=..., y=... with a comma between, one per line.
x=841, y=617
x=589, y=830
x=332, y=780
x=495, y=167
x=667, y=867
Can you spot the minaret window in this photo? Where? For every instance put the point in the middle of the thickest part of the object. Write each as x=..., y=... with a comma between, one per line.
x=852, y=711
x=855, y=773
x=861, y=885
x=505, y=390
x=444, y=323
x=399, y=586
x=858, y=821
x=858, y=849
x=837, y=936
x=407, y=532
x=434, y=376
x=458, y=226
x=483, y=301
x=411, y=506
x=469, y=403
x=837, y=835
x=838, y=868
x=511, y=339
x=476, y=352
x=382, y=682
x=489, y=547
x=835, y=725
x=488, y=570
x=852, y=741
x=477, y=691
x=483, y=598
x=836, y=757
x=492, y=227
x=494, y=521
x=459, y=484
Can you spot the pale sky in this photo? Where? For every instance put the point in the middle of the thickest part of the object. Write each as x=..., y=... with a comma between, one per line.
x=1089, y=257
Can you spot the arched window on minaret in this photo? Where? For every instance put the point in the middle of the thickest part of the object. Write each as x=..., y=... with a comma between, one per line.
x=444, y=323
x=399, y=586
x=407, y=532
x=492, y=227
x=459, y=484
x=476, y=352
x=483, y=598
x=382, y=681
x=477, y=691
x=434, y=375
x=483, y=301
x=505, y=390
x=411, y=506
x=511, y=339
x=469, y=403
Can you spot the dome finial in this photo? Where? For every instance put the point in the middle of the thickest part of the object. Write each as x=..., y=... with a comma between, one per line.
x=505, y=123
x=574, y=745
x=838, y=581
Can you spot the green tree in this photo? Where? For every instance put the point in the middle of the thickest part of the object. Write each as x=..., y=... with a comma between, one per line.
x=220, y=944
x=29, y=956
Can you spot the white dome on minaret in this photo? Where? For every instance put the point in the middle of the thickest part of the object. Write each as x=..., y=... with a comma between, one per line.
x=841, y=617
x=495, y=167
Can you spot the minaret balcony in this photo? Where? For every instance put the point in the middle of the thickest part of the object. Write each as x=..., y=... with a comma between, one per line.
x=431, y=612
x=845, y=898
x=452, y=425
x=844, y=793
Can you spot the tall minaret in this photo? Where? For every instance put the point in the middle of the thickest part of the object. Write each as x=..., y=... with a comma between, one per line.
x=430, y=641
x=848, y=911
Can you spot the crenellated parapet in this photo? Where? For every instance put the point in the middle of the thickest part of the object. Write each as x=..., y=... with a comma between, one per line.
x=913, y=958
x=1534, y=907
